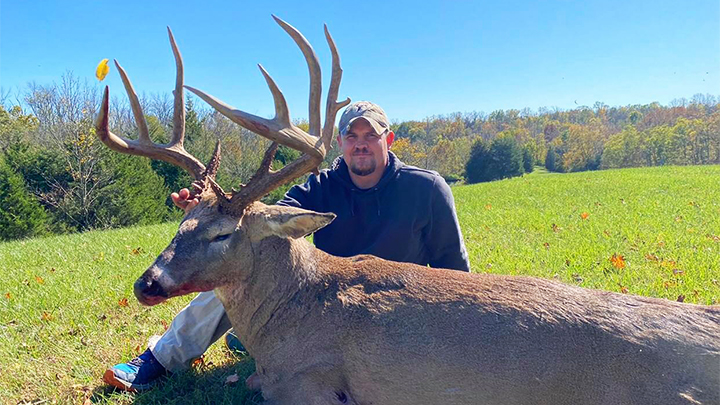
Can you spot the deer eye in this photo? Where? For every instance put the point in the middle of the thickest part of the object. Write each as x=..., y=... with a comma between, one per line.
x=220, y=238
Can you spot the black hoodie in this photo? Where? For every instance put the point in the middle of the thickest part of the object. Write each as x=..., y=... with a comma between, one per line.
x=409, y=216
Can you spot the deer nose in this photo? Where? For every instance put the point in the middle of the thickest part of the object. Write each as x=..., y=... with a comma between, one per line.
x=148, y=290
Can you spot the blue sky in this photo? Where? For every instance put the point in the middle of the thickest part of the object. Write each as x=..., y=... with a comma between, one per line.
x=415, y=58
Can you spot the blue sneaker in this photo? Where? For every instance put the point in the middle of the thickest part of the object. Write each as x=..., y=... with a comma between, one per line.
x=139, y=374
x=233, y=343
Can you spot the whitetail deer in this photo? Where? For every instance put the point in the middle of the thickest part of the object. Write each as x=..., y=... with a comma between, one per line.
x=362, y=330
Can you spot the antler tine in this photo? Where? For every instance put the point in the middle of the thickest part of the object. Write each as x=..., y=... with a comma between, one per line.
x=179, y=104
x=143, y=134
x=332, y=106
x=274, y=130
x=282, y=113
x=315, y=74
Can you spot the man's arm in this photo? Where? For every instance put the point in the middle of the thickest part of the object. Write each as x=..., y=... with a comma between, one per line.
x=443, y=237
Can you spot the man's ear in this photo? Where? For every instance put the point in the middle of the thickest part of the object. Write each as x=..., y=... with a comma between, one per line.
x=390, y=138
x=297, y=223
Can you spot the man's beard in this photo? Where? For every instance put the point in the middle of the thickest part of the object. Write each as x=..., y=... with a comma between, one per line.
x=364, y=172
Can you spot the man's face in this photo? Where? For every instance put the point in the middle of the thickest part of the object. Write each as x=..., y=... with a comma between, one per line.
x=364, y=150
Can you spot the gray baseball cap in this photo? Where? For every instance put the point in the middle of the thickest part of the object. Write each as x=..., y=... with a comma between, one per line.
x=372, y=113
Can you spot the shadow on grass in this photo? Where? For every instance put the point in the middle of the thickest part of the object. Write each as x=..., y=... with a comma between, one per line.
x=205, y=385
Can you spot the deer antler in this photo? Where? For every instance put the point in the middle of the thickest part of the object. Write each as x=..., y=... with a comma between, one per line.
x=172, y=152
x=280, y=129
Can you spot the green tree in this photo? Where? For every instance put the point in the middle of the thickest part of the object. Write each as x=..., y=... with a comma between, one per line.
x=506, y=158
x=21, y=215
x=528, y=160
x=477, y=168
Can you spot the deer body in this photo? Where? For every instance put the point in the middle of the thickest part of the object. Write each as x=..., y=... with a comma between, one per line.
x=370, y=331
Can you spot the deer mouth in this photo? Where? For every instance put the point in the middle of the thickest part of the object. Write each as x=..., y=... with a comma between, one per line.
x=151, y=292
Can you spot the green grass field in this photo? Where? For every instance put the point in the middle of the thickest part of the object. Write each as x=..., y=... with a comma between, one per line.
x=67, y=310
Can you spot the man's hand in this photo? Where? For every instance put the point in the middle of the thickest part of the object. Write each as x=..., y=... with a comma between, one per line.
x=185, y=200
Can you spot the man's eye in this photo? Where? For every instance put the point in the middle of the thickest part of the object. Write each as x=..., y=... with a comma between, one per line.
x=220, y=238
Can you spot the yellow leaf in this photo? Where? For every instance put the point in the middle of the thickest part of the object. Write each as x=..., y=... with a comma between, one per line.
x=46, y=316
x=584, y=215
x=8, y=296
x=123, y=302
x=102, y=70
x=39, y=280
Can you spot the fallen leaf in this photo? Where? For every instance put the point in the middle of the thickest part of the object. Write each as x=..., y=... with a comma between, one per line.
x=487, y=207
x=102, y=70
x=232, y=379
x=681, y=298
x=668, y=263
x=606, y=233
x=52, y=269
x=669, y=284
x=8, y=296
x=199, y=362
x=652, y=257
x=123, y=302
x=137, y=251
x=618, y=261
x=584, y=215
x=547, y=245
x=137, y=349
x=46, y=316
x=164, y=324
x=556, y=228
x=577, y=278
x=623, y=289
x=678, y=272
x=39, y=280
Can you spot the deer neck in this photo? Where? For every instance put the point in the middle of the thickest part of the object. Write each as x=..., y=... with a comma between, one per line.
x=274, y=280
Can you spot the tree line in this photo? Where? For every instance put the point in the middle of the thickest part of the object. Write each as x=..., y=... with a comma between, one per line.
x=57, y=177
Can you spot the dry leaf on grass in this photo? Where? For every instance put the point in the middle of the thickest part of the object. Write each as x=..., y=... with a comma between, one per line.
x=618, y=261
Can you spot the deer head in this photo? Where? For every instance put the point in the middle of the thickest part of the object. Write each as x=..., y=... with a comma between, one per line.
x=223, y=228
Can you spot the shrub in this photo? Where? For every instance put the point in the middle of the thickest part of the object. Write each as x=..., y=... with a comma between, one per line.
x=20, y=214
x=477, y=166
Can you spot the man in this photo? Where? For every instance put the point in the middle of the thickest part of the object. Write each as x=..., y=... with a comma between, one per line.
x=383, y=207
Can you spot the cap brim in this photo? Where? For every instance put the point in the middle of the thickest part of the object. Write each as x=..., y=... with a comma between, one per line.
x=379, y=129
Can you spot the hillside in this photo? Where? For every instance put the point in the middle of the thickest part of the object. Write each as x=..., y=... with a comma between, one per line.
x=67, y=309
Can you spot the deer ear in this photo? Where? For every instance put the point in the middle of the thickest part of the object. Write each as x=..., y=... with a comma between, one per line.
x=296, y=223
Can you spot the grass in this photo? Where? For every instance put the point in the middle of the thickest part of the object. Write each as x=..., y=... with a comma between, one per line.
x=67, y=310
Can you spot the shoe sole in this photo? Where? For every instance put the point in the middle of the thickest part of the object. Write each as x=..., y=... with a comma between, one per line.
x=109, y=378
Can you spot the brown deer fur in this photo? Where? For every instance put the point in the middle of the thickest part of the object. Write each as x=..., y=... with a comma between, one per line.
x=362, y=330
